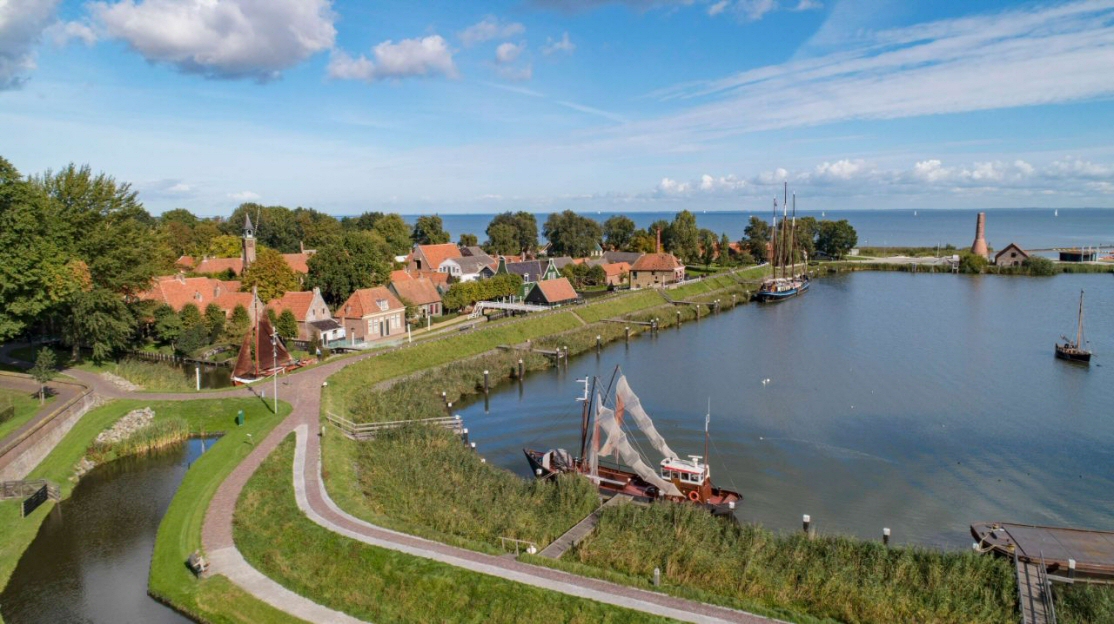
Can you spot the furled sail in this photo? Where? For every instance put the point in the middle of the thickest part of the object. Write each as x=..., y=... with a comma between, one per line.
x=625, y=396
x=617, y=441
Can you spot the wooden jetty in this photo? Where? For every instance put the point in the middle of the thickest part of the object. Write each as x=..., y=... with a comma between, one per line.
x=368, y=431
x=1069, y=555
x=583, y=529
x=1034, y=593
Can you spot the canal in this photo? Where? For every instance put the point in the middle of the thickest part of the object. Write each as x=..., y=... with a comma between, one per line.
x=921, y=403
x=92, y=556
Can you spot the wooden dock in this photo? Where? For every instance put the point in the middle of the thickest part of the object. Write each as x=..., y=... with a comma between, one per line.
x=1034, y=593
x=1076, y=555
x=583, y=529
x=368, y=431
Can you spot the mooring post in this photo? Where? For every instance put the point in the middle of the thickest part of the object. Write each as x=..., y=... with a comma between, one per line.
x=806, y=520
x=678, y=318
x=197, y=371
x=628, y=334
x=486, y=382
x=885, y=536
x=599, y=343
x=521, y=369
x=465, y=435
x=657, y=577
x=566, y=357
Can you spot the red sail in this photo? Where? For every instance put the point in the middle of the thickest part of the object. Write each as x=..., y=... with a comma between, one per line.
x=245, y=363
x=270, y=357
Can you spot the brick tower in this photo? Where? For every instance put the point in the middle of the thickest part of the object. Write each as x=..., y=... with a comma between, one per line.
x=979, y=246
x=248, y=255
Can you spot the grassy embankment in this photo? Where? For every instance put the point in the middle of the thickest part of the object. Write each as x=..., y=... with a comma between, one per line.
x=151, y=376
x=26, y=406
x=380, y=585
x=157, y=435
x=202, y=417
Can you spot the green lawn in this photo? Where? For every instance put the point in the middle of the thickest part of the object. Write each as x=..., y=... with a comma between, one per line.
x=26, y=406
x=620, y=305
x=381, y=585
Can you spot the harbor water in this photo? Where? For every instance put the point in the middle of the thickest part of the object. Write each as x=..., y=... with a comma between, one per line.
x=922, y=403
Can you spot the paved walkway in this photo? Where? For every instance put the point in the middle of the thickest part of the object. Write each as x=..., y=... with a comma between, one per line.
x=62, y=394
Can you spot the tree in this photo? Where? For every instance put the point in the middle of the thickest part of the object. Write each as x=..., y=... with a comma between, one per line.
x=168, y=325
x=464, y=294
x=584, y=275
x=43, y=371
x=972, y=263
x=286, y=325
x=468, y=240
x=190, y=316
x=429, y=230
x=1039, y=265
x=270, y=274
x=643, y=242
x=240, y=323
x=707, y=242
x=358, y=260
x=225, y=246
x=618, y=231
x=682, y=238
x=570, y=234
x=214, y=322
x=724, y=250
x=807, y=231
x=99, y=319
x=394, y=230
x=757, y=239
x=836, y=238
x=315, y=228
x=365, y=221
x=191, y=340
x=525, y=236
x=502, y=240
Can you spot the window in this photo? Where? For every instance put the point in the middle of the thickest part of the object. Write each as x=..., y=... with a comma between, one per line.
x=383, y=304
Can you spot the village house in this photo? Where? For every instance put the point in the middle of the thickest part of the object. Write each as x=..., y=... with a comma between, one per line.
x=552, y=292
x=1011, y=256
x=178, y=290
x=420, y=293
x=298, y=262
x=466, y=268
x=313, y=316
x=430, y=257
x=655, y=270
x=372, y=314
x=617, y=273
x=531, y=272
x=439, y=279
x=630, y=257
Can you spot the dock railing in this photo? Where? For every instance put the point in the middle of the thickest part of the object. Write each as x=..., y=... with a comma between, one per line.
x=530, y=547
x=23, y=489
x=368, y=431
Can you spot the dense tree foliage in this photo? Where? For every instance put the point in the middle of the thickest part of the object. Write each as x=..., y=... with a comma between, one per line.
x=359, y=259
x=395, y=232
x=468, y=240
x=757, y=233
x=270, y=274
x=512, y=233
x=287, y=325
x=836, y=238
x=618, y=232
x=682, y=237
x=571, y=234
x=43, y=370
x=464, y=294
x=429, y=230
x=584, y=276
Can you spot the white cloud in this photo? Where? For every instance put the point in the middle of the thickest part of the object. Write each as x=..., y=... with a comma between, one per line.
x=561, y=45
x=508, y=52
x=517, y=74
x=244, y=196
x=21, y=27
x=717, y=8
x=428, y=56
x=489, y=28
x=226, y=39
x=180, y=187
x=754, y=10
x=61, y=33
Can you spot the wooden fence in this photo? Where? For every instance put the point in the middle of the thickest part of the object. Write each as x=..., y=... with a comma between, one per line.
x=23, y=489
x=368, y=431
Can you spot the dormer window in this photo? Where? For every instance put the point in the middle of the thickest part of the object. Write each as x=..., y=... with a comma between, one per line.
x=383, y=304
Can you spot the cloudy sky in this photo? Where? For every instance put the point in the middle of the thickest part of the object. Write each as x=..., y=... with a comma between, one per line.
x=451, y=106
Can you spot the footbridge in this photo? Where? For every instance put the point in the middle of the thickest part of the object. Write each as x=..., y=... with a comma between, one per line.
x=480, y=306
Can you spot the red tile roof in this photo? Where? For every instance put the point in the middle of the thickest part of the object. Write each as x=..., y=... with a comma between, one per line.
x=298, y=262
x=365, y=302
x=656, y=262
x=616, y=269
x=557, y=290
x=297, y=302
x=438, y=278
x=186, y=262
x=400, y=275
x=178, y=290
x=220, y=265
x=436, y=254
x=418, y=291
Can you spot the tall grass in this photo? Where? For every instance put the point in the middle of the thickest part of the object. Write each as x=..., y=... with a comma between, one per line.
x=842, y=578
x=155, y=376
x=428, y=477
x=1084, y=603
x=157, y=435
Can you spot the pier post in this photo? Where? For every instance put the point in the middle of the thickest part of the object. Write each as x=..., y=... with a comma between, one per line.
x=732, y=300
x=486, y=382
x=806, y=520
x=599, y=343
x=197, y=374
x=566, y=357
x=678, y=318
x=465, y=436
x=885, y=536
x=521, y=369
x=449, y=408
x=628, y=334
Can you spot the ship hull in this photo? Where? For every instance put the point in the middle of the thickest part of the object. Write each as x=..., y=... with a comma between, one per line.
x=1073, y=355
x=771, y=296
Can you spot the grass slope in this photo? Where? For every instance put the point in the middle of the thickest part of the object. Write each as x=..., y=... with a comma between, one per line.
x=380, y=585
x=26, y=406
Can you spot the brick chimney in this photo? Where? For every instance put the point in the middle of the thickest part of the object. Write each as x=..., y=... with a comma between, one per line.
x=979, y=246
x=659, y=240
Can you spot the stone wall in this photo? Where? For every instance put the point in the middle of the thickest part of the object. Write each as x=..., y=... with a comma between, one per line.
x=21, y=460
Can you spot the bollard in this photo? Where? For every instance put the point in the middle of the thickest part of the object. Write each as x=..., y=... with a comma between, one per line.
x=806, y=520
x=449, y=408
x=885, y=536
x=599, y=343
x=521, y=368
x=1071, y=568
x=678, y=318
x=628, y=333
x=465, y=435
x=538, y=472
x=486, y=382
x=657, y=577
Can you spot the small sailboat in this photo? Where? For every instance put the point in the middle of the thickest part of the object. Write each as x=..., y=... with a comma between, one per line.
x=1074, y=351
x=784, y=282
x=262, y=354
x=602, y=436
x=914, y=213
x=1056, y=212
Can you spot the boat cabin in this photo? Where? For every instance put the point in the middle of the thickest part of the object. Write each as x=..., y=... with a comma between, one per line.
x=684, y=470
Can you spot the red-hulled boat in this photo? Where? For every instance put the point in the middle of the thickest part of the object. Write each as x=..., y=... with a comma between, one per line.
x=262, y=354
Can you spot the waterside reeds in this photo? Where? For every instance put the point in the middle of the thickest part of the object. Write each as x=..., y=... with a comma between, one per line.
x=153, y=375
x=157, y=435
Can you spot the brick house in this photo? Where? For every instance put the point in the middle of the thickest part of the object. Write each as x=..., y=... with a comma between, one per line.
x=420, y=293
x=618, y=273
x=372, y=314
x=1011, y=256
x=654, y=270
x=430, y=257
x=177, y=291
x=552, y=292
x=312, y=314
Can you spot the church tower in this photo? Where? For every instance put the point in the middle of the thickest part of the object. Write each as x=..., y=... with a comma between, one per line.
x=248, y=256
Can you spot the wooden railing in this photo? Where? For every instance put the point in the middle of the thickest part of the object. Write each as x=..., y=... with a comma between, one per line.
x=23, y=489
x=368, y=431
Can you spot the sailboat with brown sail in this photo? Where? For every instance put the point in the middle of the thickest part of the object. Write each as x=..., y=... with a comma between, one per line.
x=1074, y=351
x=610, y=460
x=262, y=354
x=784, y=282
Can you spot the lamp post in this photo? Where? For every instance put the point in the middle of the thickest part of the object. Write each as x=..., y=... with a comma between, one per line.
x=274, y=363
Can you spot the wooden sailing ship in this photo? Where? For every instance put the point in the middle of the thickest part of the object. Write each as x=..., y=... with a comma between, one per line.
x=784, y=283
x=604, y=442
x=262, y=354
x=1073, y=350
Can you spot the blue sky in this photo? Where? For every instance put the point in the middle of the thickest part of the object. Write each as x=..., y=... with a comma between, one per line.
x=632, y=105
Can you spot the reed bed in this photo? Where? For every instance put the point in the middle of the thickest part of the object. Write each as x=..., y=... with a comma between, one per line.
x=159, y=434
x=427, y=476
x=155, y=376
x=836, y=577
x=1084, y=603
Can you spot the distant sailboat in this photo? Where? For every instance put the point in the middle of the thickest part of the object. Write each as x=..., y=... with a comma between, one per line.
x=914, y=213
x=1074, y=350
x=1056, y=212
x=823, y=214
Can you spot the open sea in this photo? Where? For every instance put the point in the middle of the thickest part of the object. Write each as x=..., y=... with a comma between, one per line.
x=1031, y=228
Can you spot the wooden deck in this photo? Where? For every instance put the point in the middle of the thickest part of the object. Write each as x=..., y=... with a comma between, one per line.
x=1034, y=594
x=583, y=529
x=1091, y=553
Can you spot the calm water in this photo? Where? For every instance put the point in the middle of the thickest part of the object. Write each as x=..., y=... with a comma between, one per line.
x=92, y=556
x=1032, y=228
x=922, y=403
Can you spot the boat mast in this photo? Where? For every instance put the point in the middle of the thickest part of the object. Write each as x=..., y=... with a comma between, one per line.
x=773, y=241
x=1079, y=332
x=785, y=234
x=586, y=399
x=793, y=240
x=707, y=421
